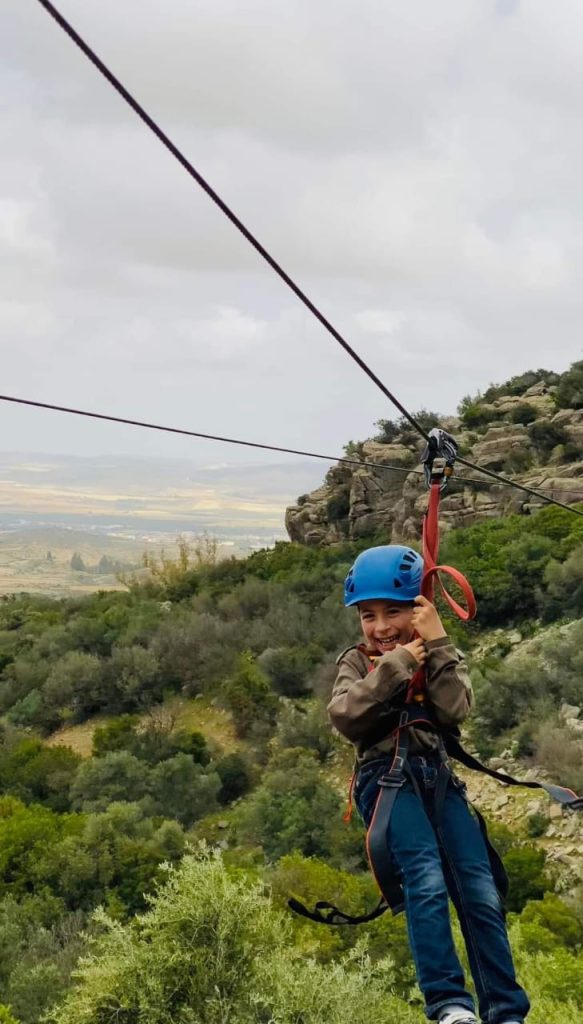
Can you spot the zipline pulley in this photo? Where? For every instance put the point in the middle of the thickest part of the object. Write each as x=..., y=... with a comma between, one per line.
x=439, y=457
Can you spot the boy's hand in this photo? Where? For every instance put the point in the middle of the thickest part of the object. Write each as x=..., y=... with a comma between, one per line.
x=426, y=621
x=417, y=649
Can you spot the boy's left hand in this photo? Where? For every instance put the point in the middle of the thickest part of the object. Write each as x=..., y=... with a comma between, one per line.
x=426, y=621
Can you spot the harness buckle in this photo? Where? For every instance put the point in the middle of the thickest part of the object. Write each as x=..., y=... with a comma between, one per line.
x=391, y=783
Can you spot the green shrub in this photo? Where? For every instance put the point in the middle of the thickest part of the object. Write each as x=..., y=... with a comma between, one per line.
x=6, y=1016
x=388, y=431
x=214, y=941
x=537, y=824
x=474, y=415
x=118, y=734
x=115, y=776
x=523, y=413
x=249, y=697
x=292, y=809
x=569, y=394
x=338, y=505
x=289, y=668
x=183, y=790
x=525, y=867
x=233, y=771
x=545, y=436
x=553, y=914
x=562, y=593
x=560, y=751
x=306, y=726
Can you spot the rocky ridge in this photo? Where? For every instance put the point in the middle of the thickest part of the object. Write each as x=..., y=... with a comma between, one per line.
x=356, y=502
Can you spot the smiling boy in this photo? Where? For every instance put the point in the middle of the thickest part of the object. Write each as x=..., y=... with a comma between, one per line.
x=432, y=841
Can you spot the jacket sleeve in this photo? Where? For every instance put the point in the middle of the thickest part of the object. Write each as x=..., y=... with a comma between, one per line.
x=357, y=702
x=448, y=683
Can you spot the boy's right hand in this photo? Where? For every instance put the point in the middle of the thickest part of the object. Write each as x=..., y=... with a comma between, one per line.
x=417, y=649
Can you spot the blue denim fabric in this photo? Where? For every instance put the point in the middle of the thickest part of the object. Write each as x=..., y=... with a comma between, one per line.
x=433, y=863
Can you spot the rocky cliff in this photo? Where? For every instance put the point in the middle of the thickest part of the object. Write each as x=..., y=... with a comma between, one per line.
x=525, y=435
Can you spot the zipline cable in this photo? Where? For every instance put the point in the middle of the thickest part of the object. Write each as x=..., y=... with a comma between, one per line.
x=191, y=170
x=366, y=463
x=167, y=142
x=521, y=487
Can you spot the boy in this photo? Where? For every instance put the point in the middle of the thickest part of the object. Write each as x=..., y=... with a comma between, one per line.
x=433, y=852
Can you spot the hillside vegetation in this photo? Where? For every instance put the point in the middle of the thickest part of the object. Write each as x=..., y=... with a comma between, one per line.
x=165, y=757
x=530, y=429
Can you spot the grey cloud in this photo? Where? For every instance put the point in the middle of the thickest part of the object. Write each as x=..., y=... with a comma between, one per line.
x=417, y=166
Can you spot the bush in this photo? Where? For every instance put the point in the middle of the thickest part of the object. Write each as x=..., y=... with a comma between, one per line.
x=388, y=431
x=233, y=771
x=554, y=915
x=569, y=394
x=523, y=413
x=474, y=415
x=182, y=789
x=338, y=505
x=249, y=698
x=525, y=867
x=214, y=941
x=289, y=668
x=537, y=824
x=560, y=751
x=118, y=734
x=115, y=776
x=562, y=593
x=305, y=726
x=292, y=809
x=545, y=436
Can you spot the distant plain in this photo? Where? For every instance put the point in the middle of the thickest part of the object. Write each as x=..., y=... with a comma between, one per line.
x=52, y=507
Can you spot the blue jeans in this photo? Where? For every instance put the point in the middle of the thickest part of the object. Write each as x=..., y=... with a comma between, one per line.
x=434, y=862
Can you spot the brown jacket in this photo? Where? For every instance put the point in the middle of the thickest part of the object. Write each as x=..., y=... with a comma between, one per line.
x=361, y=698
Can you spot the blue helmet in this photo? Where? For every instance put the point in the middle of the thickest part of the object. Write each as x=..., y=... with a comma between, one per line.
x=390, y=572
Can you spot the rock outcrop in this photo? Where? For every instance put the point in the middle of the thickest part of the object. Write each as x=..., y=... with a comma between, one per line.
x=390, y=497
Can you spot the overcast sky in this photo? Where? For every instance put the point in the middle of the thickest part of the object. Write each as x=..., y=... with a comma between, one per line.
x=416, y=165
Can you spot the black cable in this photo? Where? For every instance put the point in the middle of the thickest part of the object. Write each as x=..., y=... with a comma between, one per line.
x=204, y=437
x=161, y=135
x=522, y=487
x=368, y=463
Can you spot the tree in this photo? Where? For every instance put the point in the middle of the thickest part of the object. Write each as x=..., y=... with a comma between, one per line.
x=569, y=393
x=183, y=790
x=292, y=809
x=249, y=697
x=77, y=563
x=115, y=776
x=233, y=771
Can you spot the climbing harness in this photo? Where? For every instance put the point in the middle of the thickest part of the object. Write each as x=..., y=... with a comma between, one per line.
x=438, y=459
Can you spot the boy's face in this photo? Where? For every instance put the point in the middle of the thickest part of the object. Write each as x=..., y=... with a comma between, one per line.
x=386, y=623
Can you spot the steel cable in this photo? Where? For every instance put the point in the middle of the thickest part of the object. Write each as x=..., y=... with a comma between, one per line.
x=360, y=463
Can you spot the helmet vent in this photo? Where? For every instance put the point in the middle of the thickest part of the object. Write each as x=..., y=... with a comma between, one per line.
x=397, y=583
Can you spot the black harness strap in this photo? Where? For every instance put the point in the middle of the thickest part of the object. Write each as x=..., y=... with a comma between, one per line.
x=566, y=797
x=390, y=783
x=327, y=913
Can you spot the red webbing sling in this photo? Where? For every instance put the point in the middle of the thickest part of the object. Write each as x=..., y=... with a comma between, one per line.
x=433, y=570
